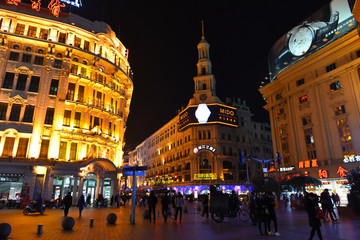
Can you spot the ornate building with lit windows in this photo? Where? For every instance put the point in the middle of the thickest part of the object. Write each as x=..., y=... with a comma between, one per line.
x=202, y=145
x=313, y=97
x=66, y=88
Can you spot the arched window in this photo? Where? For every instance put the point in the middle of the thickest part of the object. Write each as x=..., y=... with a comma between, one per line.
x=204, y=86
x=203, y=71
x=179, y=168
x=187, y=166
x=204, y=164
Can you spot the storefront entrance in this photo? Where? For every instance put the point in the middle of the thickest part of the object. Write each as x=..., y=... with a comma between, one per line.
x=10, y=186
x=89, y=187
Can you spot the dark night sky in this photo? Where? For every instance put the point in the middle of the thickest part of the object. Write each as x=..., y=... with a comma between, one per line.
x=162, y=37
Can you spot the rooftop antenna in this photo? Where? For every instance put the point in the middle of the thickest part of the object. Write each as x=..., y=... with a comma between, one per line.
x=202, y=28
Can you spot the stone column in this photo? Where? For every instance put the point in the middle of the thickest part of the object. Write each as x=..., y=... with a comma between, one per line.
x=75, y=190
x=80, y=188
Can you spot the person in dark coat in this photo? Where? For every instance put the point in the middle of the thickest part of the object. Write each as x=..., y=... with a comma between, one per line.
x=88, y=199
x=205, y=205
x=270, y=205
x=152, y=204
x=165, y=201
x=81, y=204
x=311, y=206
x=327, y=205
x=252, y=208
x=260, y=213
x=67, y=203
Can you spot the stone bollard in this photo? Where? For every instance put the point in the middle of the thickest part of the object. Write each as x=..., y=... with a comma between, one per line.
x=68, y=223
x=5, y=230
x=111, y=218
x=91, y=222
x=39, y=229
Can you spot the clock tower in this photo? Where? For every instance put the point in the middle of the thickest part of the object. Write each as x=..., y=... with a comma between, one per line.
x=205, y=80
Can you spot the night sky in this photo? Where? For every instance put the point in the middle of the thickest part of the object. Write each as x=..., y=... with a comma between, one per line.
x=162, y=37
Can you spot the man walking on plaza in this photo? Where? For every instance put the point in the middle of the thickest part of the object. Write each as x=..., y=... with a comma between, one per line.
x=152, y=205
x=67, y=203
x=179, y=203
x=165, y=206
x=327, y=205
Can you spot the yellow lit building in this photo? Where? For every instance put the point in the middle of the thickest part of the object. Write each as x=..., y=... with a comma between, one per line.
x=66, y=88
x=202, y=145
x=313, y=97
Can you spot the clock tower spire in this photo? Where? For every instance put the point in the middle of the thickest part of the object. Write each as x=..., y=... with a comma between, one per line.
x=204, y=80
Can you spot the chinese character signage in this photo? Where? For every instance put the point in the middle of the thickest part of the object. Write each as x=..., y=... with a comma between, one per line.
x=308, y=163
x=205, y=176
x=351, y=159
x=323, y=173
x=342, y=172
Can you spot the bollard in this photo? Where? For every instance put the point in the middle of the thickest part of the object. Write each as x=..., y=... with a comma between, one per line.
x=39, y=229
x=91, y=222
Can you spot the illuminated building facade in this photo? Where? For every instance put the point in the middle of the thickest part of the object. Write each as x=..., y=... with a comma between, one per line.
x=66, y=88
x=202, y=145
x=313, y=99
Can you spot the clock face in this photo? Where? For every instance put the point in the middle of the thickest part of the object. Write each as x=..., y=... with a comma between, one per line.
x=300, y=41
x=203, y=97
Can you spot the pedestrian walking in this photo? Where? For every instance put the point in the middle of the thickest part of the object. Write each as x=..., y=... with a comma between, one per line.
x=81, y=204
x=252, y=208
x=152, y=205
x=311, y=206
x=179, y=203
x=67, y=203
x=165, y=201
x=261, y=213
x=270, y=205
x=205, y=206
x=88, y=199
x=327, y=205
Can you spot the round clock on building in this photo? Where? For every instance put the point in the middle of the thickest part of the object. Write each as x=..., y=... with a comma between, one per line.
x=300, y=40
x=203, y=97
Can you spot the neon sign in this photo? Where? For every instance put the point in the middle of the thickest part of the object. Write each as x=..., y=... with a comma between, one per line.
x=197, y=149
x=14, y=2
x=308, y=163
x=36, y=5
x=323, y=173
x=205, y=176
x=202, y=113
x=352, y=159
x=75, y=3
x=342, y=171
x=54, y=7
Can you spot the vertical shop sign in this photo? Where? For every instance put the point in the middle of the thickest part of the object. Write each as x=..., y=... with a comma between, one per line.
x=323, y=173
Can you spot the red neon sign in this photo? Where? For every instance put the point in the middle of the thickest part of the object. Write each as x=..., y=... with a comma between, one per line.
x=15, y=2
x=323, y=173
x=342, y=171
x=36, y=4
x=55, y=6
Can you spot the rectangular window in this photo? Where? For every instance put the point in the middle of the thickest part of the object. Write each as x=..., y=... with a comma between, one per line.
x=86, y=45
x=73, y=150
x=74, y=69
x=8, y=146
x=96, y=122
x=44, y=149
x=335, y=86
x=14, y=56
x=3, y=110
x=278, y=96
x=32, y=31
x=34, y=84
x=199, y=135
x=70, y=92
x=80, y=97
x=67, y=117
x=110, y=128
x=26, y=58
x=44, y=33
x=15, y=112
x=28, y=114
x=77, y=42
x=54, y=87
x=310, y=143
x=20, y=29
x=8, y=80
x=62, y=150
x=22, y=147
x=49, y=117
x=300, y=82
x=330, y=67
x=306, y=120
x=303, y=99
x=21, y=82
x=345, y=137
x=83, y=72
x=62, y=38
x=77, y=119
x=57, y=63
x=339, y=110
x=39, y=60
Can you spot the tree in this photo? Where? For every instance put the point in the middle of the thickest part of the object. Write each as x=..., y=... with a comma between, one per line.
x=298, y=183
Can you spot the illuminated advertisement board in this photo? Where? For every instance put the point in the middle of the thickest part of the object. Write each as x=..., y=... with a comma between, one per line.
x=323, y=27
x=208, y=114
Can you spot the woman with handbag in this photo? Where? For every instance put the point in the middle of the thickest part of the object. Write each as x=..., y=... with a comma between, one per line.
x=312, y=207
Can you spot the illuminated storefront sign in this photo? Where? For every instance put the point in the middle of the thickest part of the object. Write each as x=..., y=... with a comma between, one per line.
x=208, y=114
x=352, y=159
x=197, y=149
x=36, y=4
x=285, y=169
x=342, y=171
x=323, y=173
x=75, y=3
x=205, y=176
x=308, y=163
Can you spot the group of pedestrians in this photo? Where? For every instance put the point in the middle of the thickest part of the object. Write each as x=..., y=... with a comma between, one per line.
x=176, y=201
x=262, y=212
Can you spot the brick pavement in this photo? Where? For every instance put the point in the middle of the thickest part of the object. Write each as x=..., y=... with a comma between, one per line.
x=292, y=224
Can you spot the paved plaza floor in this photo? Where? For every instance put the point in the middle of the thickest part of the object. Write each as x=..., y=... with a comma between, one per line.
x=293, y=225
